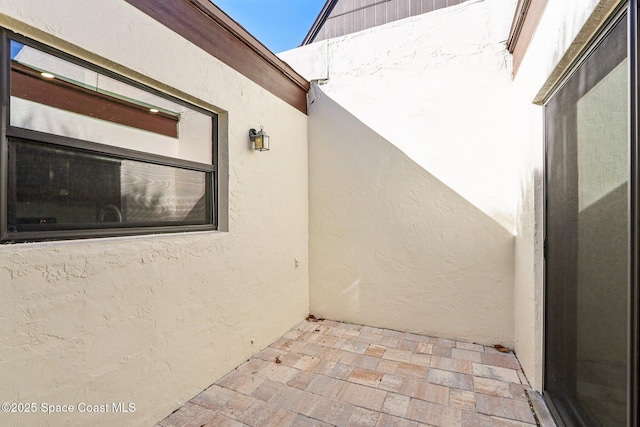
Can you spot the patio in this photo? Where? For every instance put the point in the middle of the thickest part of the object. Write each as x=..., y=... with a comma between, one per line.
x=326, y=373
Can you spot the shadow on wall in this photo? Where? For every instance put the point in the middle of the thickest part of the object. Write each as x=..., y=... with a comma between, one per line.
x=394, y=247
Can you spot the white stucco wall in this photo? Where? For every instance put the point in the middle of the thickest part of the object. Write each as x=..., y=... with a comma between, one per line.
x=437, y=87
x=154, y=320
x=392, y=246
x=412, y=183
x=557, y=29
x=484, y=136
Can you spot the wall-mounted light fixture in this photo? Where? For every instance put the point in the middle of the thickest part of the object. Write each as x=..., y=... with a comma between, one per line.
x=260, y=139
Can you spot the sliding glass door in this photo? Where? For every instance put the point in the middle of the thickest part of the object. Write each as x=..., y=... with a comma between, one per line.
x=587, y=258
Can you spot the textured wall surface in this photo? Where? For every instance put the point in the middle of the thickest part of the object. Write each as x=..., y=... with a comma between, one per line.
x=557, y=29
x=452, y=107
x=439, y=94
x=392, y=246
x=412, y=185
x=154, y=320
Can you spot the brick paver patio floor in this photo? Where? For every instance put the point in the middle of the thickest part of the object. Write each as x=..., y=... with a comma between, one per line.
x=327, y=373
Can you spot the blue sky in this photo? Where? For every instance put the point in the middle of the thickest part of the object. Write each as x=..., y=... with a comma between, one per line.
x=278, y=24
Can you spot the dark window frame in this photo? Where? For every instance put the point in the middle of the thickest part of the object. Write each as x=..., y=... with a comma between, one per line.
x=8, y=132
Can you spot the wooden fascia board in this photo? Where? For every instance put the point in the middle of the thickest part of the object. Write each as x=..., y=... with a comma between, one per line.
x=319, y=22
x=516, y=25
x=208, y=27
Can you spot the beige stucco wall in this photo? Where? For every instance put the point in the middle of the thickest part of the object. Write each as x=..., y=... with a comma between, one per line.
x=438, y=87
x=384, y=82
x=153, y=320
x=392, y=246
x=558, y=27
x=412, y=184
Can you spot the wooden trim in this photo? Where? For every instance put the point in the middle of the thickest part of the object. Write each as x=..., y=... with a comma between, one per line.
x=516, y=25
x=208, y=27
x=525, y=22
x=27, y=83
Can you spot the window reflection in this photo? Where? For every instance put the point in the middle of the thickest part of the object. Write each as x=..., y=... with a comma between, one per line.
x=60, y=188
x=52, y=95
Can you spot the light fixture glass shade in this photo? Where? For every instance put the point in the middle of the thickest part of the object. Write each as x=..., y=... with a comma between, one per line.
x=260, y=139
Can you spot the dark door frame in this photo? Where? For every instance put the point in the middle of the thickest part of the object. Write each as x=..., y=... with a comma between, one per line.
x=633, y=390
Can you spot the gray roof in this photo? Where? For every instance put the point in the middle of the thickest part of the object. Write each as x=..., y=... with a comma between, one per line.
x=341, y=17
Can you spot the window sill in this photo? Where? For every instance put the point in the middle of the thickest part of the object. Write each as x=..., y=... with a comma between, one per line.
x=109, y=240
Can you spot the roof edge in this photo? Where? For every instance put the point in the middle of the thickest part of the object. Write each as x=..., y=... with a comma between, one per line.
x=320, y=20
x=516, y=26
x=238, y=31
x=205, y=25
x=525, y=23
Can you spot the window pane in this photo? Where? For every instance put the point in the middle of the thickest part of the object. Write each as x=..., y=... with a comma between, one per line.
x=52, y=95
x=54, y=188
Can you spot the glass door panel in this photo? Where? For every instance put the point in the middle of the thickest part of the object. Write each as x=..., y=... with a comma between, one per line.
x=587, y=238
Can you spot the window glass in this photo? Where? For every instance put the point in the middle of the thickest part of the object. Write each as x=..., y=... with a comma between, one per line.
x=92, y=154
x=61, y=189
x=52, y=95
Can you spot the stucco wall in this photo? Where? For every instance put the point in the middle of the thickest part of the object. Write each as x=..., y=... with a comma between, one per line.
x=439, y=93
x=412, y=185
x=392, y=246
x=484, y=136
x=154, y=320
x=558, y=27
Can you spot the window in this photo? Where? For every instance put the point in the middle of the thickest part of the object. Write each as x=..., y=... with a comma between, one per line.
x=86, y=153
